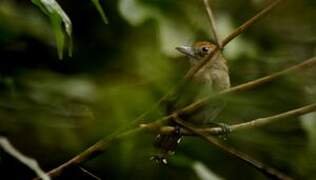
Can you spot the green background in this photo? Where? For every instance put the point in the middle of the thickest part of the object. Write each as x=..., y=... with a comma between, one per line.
x=52, y=109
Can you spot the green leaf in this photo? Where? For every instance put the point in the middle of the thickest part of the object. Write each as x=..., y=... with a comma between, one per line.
x=61, y=24
x=100, y=10
x=60, y=37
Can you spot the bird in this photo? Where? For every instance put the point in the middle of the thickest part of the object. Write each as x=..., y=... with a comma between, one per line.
x=211, y=78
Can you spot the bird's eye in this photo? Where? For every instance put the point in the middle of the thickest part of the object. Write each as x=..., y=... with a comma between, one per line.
x=205, y=49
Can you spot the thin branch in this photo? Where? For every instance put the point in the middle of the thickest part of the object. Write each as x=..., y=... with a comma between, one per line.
x=249, y=85
x=89, y=173
x=212, y=22
x=103, y=144
x=146, y=113
x=29, y=162
x=263, y=121
x=250, y=22
x=236, y=127
x=170, y=92
x=230, y=37
x=194, y=69
x=91, y=152
x=189, y=75
x=266, y=170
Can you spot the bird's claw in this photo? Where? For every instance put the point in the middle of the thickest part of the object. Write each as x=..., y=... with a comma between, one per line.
x=225, y=129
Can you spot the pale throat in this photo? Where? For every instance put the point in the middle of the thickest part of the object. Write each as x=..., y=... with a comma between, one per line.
x=214, y=74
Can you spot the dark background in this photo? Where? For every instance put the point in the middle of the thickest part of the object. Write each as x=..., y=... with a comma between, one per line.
x=52, y=109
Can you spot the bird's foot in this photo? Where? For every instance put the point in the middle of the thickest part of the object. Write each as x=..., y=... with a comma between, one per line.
x=226, y=129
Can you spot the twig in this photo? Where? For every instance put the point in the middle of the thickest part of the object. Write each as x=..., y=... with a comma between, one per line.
x=263, y=121
x=189, y=75
x=230, y=37
x=212, y=22
x=102, y=145
x=194, y=69
x=250, y=22
x=170, y=92
x=236, y=127
x=266, y=170
x=249, y=85
x=89, y=173
x=91, y=152
x=29, y=162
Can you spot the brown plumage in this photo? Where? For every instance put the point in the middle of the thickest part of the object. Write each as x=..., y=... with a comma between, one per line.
x=214, y=74
x=213, y=77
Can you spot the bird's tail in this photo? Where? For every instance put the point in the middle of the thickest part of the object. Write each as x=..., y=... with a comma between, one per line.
x=167, y=145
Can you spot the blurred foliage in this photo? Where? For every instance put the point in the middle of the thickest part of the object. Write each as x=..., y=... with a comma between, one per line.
x=100, y=10
x=52, y=110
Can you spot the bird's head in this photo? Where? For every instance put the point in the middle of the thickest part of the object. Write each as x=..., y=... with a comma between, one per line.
x=197, y=51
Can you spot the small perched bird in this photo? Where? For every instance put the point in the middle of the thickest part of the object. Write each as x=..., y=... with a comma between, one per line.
x=212, y=77
x=215, y=74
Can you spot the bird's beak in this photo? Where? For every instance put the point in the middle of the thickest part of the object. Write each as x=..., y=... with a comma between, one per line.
x=186, y=50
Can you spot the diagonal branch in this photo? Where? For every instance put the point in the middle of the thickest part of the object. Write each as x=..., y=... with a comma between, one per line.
x=91, y=152
x=236, y=127
x=250, y=22
x=265, y=169
x=214, y=54
x=264, y=121
x=230, y=37
x=212, y=22
x=249, y=85
x=89, y=173
x=181, y=83
x=103, y=144
x=194, y=69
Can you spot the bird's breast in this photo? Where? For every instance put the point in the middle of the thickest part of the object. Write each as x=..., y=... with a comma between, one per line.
x=216, y=78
